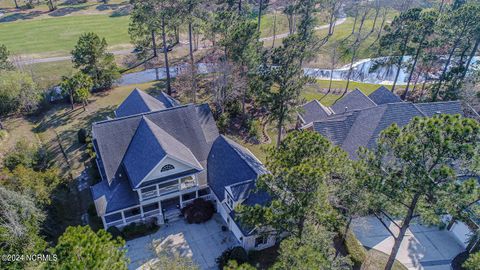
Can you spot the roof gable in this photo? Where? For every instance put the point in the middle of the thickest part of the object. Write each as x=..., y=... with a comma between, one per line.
x=314, y=110
x=167, y=100
x=369, y=123
x=229, y=163
x=382, y=96
x=355, y=100
x=140, y=102
x=191, y=125
x=149, y=146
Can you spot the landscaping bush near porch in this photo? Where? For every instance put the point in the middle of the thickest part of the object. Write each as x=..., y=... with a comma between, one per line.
x=135, y=230
x=238, y=254
x=199, y=211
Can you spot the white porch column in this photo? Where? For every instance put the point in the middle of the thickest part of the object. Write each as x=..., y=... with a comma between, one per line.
x=123, y=218
x=141, y=211
x=104, y=222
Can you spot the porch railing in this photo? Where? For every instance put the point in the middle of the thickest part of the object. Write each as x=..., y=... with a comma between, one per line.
x=130, y=219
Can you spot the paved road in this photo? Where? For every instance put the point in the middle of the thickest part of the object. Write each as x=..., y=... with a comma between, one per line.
x=28, y=61
x=25, y=60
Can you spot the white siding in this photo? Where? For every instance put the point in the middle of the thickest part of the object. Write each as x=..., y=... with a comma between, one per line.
x=462, y=232
x=156, y=173
x=249, y=243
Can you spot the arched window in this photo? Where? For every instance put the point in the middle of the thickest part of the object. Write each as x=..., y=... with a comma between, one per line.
x=167, y=167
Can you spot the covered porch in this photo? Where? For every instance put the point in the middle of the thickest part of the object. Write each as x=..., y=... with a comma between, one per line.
x=160, y=209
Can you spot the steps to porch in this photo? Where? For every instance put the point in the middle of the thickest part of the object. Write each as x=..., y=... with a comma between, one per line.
x=172, y=215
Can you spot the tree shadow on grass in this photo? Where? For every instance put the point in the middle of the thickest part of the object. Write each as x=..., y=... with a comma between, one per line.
x=66, y=10
x=21, y=16
x=59, y=118
x=100, y=115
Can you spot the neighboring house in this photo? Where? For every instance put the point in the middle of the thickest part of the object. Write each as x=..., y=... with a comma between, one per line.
x=357, y=120
x=158, y=156
x=141, y=102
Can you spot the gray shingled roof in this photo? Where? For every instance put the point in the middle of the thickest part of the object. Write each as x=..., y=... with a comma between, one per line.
x=382, y=96
x=148, y=147
x=230, y=163
x=254, y=198
x=447, y=107
x=336, y=129
x=355, y=100
x=314, y=110
x=193, y=126
x=114, y=197
x=241, y=190
x=140, y=102
x=167, y=100
x=362, y=127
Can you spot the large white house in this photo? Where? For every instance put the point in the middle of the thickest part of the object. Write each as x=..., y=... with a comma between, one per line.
x=157, y=156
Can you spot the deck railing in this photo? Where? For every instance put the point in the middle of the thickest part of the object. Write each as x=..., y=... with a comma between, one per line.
x=130, y=219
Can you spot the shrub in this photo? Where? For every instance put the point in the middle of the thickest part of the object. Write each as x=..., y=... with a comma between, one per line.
x=238, y=254
x=115, y=232
x=234, y=107
x=473, y=262
x=3, y=134
x=134, y=230
x=23, y=154
x=357, y=252
x=253, y=127
x=199, y=211
x=82, y=135
x=223, y=122
x=90, y=149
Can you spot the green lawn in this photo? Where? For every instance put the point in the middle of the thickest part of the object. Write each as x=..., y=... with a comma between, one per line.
x=58, y=35
x=266, y=25
x=314, y=91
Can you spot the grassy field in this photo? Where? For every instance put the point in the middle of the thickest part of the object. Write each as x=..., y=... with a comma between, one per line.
x=57, y=36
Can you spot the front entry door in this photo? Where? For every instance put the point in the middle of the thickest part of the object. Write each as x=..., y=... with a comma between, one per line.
x=171, y=204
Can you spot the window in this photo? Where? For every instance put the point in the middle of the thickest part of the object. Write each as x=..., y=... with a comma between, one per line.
x=167, y=167
x=261, y=240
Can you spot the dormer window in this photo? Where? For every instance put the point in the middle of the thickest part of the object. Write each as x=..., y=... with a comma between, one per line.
x=167, y=167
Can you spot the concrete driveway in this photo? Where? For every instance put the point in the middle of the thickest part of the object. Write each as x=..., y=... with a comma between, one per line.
x=201, y=242
x=422, y=248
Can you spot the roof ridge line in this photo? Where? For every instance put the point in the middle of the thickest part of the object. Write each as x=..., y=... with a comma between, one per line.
x=418, y=109
x=240, y=154
x=241, y=183
x=436, y=102
x=356, y=88
x=145, y=113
